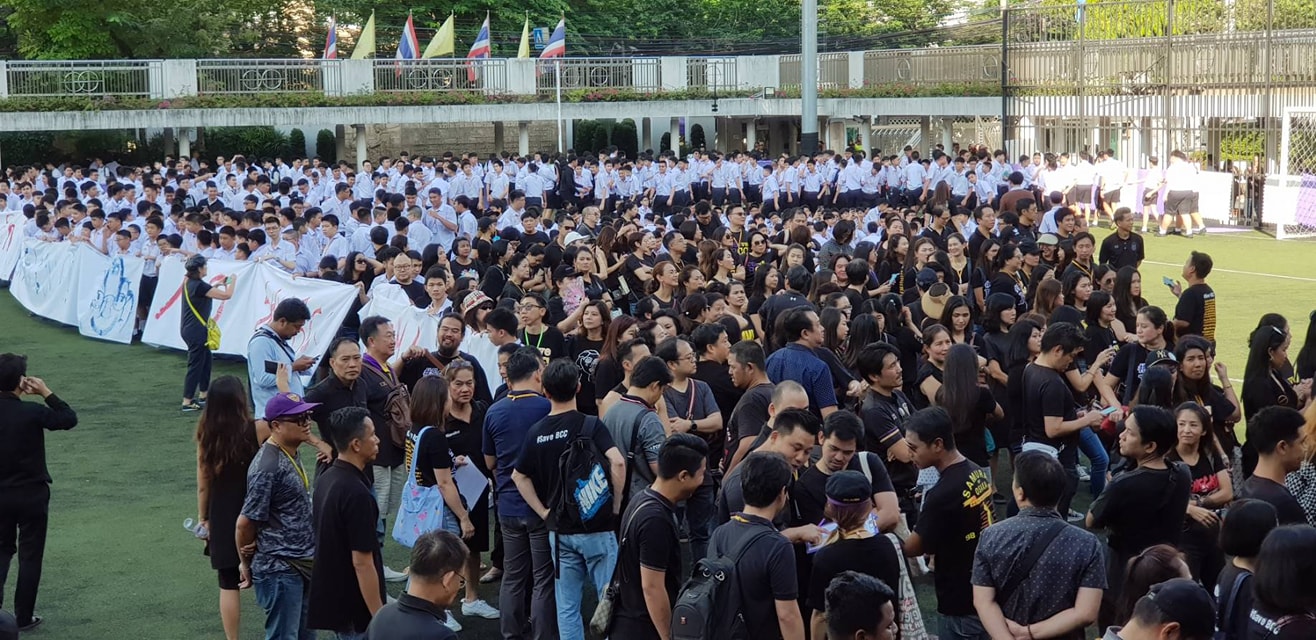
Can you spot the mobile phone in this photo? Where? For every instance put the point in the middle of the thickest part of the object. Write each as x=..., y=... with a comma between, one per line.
x=1165, y=280
x=271, y=367
x=1109, y=410
x=894, y=277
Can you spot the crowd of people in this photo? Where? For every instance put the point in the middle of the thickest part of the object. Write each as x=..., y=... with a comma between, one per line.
x=829, y=374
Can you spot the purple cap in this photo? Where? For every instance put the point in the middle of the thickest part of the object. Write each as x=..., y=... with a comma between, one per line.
x=287, y=404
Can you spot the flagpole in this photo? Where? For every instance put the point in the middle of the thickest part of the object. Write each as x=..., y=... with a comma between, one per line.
x=557, y=69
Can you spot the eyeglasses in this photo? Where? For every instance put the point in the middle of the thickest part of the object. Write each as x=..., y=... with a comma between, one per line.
x=301, y=420
x=527, y=307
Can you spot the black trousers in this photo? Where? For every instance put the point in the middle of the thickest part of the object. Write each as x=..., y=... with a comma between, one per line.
x=199, y=363
x=23, y=516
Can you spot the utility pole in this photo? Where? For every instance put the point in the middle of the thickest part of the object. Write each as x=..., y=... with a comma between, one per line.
x=808, y=77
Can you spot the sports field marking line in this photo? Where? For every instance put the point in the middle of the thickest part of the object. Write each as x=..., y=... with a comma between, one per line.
x=1242, y=273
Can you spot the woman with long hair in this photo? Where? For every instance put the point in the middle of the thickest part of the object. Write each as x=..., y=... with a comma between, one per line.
x=427, y=447
x=738, y=309
x=1128, y=296
x=692, y=280
x=936, y=346
x=1076, y=290
x=694, y=312
x=462, y=427
x=960, y=275
x=197, y=294
x=920, y=254
x=584, y=346
x=957, y=316
x=1264, y=384
x=1305, y=365
x=836, y=333
x=984, y=270
x=608, y=373
x=970, y=405
x=865, y=329
x=891, y=269
x=852, y=546
x=1025, y=345
x=1009, y=276
x=767, y=283
x=1197, y=360
x=1152, y=566
x=1212, y=490
x=720, y=266
x=226, y=443
x=1152, y=329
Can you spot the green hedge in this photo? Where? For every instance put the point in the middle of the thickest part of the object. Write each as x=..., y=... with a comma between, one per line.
x=308, y=100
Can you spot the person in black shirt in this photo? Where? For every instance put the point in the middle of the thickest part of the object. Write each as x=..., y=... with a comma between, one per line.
x=1049, y=419
x=24, y=479
x=884, y=411
x=765, y=574
x=842, y=433
x=1276, y=433
x=545, y=339
x=752, y=412
x=405, y=268
x=1124, y=248
x=860, y=603
x=1195, y=312
x=713, y=346
x=347, y=579
x=955, y=511
x=437, y=560
x=1143, y=507
x=853, y=546
x=451, y=330
x=649, y=558
x=337, y=390
x=197, y=294
x=585, y=543
x=1242, y=530
x=1283, y=590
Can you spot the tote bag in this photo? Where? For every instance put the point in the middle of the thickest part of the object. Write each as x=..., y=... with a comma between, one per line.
x=421, y=509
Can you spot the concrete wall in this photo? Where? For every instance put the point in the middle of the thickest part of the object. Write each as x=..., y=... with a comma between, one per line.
x=434, y=139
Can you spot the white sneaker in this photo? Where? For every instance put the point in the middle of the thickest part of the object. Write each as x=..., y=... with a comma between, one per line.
x=452, y=623
x=394, y=576
x=1083, y=475
x=1075, y=516
x=479, y=609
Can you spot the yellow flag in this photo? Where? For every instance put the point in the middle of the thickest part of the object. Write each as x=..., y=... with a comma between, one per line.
x=524, y=50
x=443, y=41
x=365, y=45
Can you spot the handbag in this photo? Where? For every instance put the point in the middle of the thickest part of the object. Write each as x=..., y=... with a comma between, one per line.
x=212, y=327
x=421, y=509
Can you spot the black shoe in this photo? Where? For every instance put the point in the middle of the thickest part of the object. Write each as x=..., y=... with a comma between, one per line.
x=36, y=622
x=190, y=407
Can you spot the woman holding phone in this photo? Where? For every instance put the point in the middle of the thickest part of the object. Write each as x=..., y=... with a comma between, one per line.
x=197, y=294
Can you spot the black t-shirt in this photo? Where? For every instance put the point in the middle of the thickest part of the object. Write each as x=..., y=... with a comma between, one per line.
x=1143, y=507
x=884, y=426
x=1099, y=339
x=1272, y=391
x=1005, y=283
x=1236, y=618
x=649, y=540
x=925, y=371
x=955, y=511
x=766, y=572
x=551, y=343
x=1047, y=394
x=377, y=391
x=971, y=438
x=607, y=375
x=749, y=416
x=585, y=353
x=718, y=378
x=809, y=492
x=1118, y=252
x=1286, y=506
x=633, y=281
x=345, y=514
x=416, y=291
x=433, y=451
x=1197, y=307
x=544, y=445
x=874, y=556
x=196, y=290
x=1267, y=626
x=332, y=395
x=1128, y=365
x=1068, y=313
x=466, y=438
x=433, y=364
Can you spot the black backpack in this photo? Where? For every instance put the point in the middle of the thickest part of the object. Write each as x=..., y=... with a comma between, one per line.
x=709, y=607
x=584, y=492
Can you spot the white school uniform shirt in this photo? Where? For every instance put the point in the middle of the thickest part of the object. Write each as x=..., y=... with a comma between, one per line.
x=339, y=246
x=915, y=175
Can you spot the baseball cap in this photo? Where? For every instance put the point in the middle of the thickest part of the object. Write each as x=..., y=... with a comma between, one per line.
x=475, y=299
x=1029, y=248
x=574, y=236
x=564, y=271
x=926, y=278
x=1185, y=602
x=287, y=404
x=1161, y=356
x=849, y=487
x=1048, y=239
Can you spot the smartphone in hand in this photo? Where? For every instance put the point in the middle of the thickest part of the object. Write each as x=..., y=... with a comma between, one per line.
x=271, y=367
x=1167, y=282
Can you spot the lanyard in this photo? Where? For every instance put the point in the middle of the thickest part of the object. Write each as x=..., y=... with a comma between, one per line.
x=525, y=334
x=301, y=473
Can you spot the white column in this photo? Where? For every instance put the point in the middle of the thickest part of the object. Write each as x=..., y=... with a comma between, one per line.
x=523, y=138
x=674, y=131
x=947, y=133
x=498, y=137
x=185, y=144
x=340, y=141
x=360, y=145
x=646, y=134
x=751, y=134
x=866, y=136
x=925, y=136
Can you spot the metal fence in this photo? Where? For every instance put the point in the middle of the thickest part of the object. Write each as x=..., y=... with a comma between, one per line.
x=638, y=74
x=99, y=78
x=265, y=76
x=833, y=71
x=439, y=75
x=933, y=66
x=711, y=74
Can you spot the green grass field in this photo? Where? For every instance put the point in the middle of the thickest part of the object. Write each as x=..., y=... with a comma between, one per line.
x=119, y=565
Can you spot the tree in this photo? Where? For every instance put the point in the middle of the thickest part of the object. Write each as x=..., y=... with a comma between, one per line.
x=326, y=147
x=625, y=139
x=296, y=144
x=582, y=135
x=697, y=140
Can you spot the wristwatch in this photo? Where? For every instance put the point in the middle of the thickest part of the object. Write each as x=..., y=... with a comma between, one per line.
x=693, y=426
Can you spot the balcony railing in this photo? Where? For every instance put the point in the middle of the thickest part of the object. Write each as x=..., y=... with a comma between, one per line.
x=265, y=76
x=833, y=71
x=711, y=74
x=99, y=78
x=638, y=74
x=440, y=75
x=933, y=66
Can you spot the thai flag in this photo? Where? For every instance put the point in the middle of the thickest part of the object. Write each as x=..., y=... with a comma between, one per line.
x=408, y=46
x=331, y=41
x=557, y=43
x=480, y=50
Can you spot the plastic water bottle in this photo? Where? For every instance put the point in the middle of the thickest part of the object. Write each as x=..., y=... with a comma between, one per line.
x=196, y=528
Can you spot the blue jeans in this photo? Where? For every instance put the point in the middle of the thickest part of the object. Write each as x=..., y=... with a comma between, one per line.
x=699, y=511
x=1090, y=444
x=961, y=628
x=283, y=597
x=581, y=556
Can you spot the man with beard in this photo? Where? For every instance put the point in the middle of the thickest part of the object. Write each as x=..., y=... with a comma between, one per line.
x=337, y=390
x=417, y=365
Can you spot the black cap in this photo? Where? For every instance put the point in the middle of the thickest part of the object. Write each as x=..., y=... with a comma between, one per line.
x=1029, y=248
x=564, y=271
x=1161, y=356
x=849, y=487
x=1185, y=602
x=926, y=278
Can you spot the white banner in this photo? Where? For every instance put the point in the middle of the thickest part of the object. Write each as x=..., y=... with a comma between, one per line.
x=411, y=325
x=11, y=242
x=108, y=290
x=44, y=280
x=259, y=289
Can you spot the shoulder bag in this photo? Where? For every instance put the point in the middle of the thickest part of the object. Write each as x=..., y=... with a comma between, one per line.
x=212, y=328
x=421, y=509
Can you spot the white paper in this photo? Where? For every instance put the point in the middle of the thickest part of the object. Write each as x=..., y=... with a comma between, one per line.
x=471, y=484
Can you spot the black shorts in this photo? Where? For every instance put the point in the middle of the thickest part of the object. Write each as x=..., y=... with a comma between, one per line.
x=1180, y=202
x=1150, y=196
x=146, y=292
x=1070, y=195
x=1111, y=197
x=1083, y=194
x=229, y=579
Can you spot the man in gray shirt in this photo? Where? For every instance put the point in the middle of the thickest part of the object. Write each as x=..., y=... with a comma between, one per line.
x=635, y=427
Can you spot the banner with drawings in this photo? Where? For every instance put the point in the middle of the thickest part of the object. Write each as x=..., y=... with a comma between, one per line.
x=74, y=285
x=11, y=242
